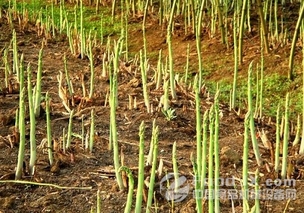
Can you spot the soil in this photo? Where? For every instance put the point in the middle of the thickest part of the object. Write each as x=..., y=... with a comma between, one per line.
x=77, y=167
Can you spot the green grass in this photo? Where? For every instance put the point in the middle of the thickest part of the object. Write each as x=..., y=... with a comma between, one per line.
x=275, y=88
x=92, y=21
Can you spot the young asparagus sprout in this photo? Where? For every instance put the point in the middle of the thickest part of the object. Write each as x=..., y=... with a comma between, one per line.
x=131, y=187
x=278, y=139
x=92, y=70
x=257, y=191
x=21, y=151
x=154, y=141
x=67, y=76
x=32, y=122
x=282, y=126
x=235, y=53
x=17, y=120
x=169, y=38
x=144, y=31
x=241, y=34
x=245, y=163
x=199, y=147
x=175, y=167
x=294, y=41
x=101, y=28
x=82, y=131
x=210, y=160
x=263, y=26
x=298, y=131
x=286, y=138
x=187, y=65
x=150, y=155
x=144, y=68
x=38, y=86
x=216, y=152
x=301, y=151
x=204, y=150
x=141, y=172
x=199, y=45
x=165, y=97
x=70, y=126
x=113, y=105
x=82, y=34
x=252, y=126
x=159, y=71
x=21, y=119
x=7, y=70
x=48, y=129
x=256, y=112
x=63, y=140
x=113, y=10
x=104, y=66
x=261, y=86
x=87, y=136
x=15, y=57
x=92, y=131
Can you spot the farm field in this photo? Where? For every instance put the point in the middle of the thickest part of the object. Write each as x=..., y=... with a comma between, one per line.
x=111, y=102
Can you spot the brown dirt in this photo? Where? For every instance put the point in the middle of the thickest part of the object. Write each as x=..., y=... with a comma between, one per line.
x=78, y=168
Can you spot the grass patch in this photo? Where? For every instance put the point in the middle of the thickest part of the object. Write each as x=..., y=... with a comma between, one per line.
x=275, y=88
x=92, y=21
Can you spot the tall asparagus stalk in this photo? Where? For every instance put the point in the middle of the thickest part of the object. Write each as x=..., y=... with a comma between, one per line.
x=252, y=126
x=32, y=122
x=113, y=106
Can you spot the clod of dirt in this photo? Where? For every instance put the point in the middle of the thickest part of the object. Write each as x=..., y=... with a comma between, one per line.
x=7, y=202
x=230, y=156
x=43, y=201
x=55, y=169
x=6, y=119
x=189, y=207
